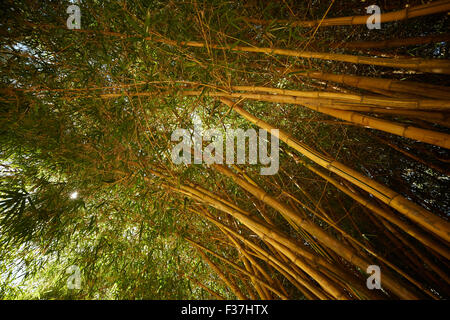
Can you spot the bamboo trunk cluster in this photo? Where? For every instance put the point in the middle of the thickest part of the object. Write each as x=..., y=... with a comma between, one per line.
x=419, y=215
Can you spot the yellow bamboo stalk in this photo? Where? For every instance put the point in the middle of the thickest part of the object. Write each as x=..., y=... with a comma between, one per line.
x=320, y=101
x=254, y=285
x=411, y=210
x=409, y=87
x=424, y=104
x=424, y=65
x=246, y=259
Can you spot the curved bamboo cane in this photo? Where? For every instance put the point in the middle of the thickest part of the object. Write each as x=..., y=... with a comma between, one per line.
x=425, y=65
x=411, y=210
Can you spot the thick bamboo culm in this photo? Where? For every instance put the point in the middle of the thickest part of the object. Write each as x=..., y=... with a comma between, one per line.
x=407, y=13
x=416, y=213
x=423, y=135
x=394, y=42
x=426, y=90
x=429, y=116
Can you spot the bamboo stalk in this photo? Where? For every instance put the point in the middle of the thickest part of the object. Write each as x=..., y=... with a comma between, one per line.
x=320, y=101
x=424, y=104
x=432, y=137
x=424, y=65
x=411, y=210
x=427, y=90
x=246, y=259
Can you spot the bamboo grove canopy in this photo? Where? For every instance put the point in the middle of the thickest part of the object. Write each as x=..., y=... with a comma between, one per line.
x=87, y=179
